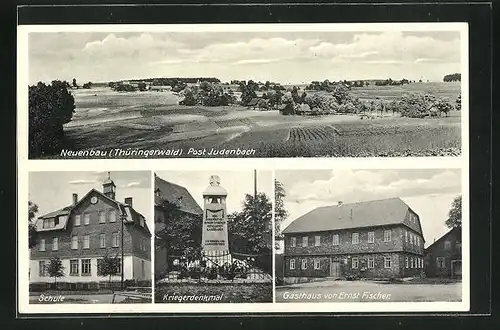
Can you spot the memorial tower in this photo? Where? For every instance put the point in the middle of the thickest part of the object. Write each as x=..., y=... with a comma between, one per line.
x=214, y=238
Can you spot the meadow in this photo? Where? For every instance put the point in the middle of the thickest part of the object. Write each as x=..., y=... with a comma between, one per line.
x=105, y=119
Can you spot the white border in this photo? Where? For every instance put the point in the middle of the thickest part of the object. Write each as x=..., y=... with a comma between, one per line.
x=25, y=166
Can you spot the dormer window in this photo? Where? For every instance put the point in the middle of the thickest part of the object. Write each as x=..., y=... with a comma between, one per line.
x=142, y=221
x=158, y=192
x=49, y=223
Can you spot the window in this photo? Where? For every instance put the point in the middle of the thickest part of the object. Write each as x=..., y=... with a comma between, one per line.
x=371, y=237
x=304, y=264
x=141, y=221
x=78, y=220
x=317, y=264
x=335, y=239
x=406, y=262
x=411, y=262
x=42, y=245
x=143, y=268
x=418, y=241
x=86, y=241
x=102, y=240
x=406, y=236
x=73, y=267
x=440, y=262
x=115, y=240
x=420, y=262
x=305, y=240
x=387, y=235
x=293, y=241
x=42, y=268
x=102, y=217
x=371, y=262
x=411, y=238
x=355, y=238
x=55, y=244
x=387, y=262
x=355, y=263
x=86, y=218
x=74, y=242
x=447, y=245
x=112, y=216
x=292, y=263
x=317, y=240
x=86, y=269
x=49, y=223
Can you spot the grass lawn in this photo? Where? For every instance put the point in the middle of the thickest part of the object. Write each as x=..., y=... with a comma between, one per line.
x=221, y=293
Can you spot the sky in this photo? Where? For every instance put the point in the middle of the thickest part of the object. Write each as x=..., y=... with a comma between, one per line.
x=237, y=184
x=54, y=190
x=428, y=192
x=285, y=57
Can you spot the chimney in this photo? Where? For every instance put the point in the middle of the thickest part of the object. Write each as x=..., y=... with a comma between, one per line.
x=75, y=198
x=128, y=201
x=339, y=203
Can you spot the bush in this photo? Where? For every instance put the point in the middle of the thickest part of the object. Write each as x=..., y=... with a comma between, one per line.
x=50, y=107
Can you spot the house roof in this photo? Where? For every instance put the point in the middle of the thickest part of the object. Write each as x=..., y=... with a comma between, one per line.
x=353, y=215
x=176, y=194
x=132, y=216
x=253, y=101
x=452, y=230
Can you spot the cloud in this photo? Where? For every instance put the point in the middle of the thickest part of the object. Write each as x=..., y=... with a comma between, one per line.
x=132, y=184
x=257, y=61
x=353, y=186
x=82, y=181
x=390, y=45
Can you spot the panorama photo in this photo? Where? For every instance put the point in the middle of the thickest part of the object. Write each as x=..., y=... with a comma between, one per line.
x=256, y=93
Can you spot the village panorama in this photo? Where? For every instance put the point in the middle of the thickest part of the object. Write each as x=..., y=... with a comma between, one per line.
x=160, y=95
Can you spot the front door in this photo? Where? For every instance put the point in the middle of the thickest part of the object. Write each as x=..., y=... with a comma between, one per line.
x=456, y=268
x=334, y=268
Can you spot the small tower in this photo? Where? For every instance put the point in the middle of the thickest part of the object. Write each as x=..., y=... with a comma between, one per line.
x=109, y=187
x=214, y=234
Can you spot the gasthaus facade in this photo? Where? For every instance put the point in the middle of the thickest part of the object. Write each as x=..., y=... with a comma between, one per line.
x=82, y=233
x=379, y=239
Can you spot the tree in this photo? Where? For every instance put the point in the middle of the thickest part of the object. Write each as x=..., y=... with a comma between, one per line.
x=443, y=105
x=181, y=231
x=141, y=86
x=32, y=232
x=280, y=212
x=109, y=266
x=87, y=85
x=247, y=91
x=74, y=83
x=458, y=103
x=455, y=214
x=452, y=77
x=250, y=230
x=55, y=269
x=189, y=98
x=50, y=107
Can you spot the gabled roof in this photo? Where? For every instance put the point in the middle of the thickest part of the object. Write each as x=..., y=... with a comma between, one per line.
x=353, y=215
x=176, y=194
x=253, y=101
x=132, y=216
x=452, y=230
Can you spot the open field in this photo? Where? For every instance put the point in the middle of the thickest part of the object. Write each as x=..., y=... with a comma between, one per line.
x=105, y=120
x=369, y=291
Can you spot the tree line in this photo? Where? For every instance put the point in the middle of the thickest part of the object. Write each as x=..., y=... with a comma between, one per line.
x=452, y=77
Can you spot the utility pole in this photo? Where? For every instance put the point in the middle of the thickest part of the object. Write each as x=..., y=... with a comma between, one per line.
x=254, y=184
x=122, y=261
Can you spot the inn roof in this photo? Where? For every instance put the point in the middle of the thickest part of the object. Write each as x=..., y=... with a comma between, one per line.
x=351, y=215
x=176, y=194
x=458, y=230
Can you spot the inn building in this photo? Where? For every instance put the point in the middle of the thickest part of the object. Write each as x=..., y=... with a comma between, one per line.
x=374, y=239
x=85, y=231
